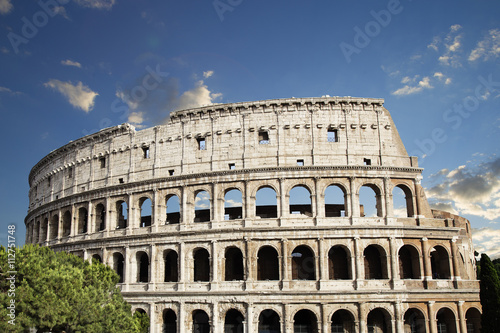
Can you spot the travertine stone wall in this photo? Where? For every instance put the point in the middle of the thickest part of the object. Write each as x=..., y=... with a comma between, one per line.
x=385, y=271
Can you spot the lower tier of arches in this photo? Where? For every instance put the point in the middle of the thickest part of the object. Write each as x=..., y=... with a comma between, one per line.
x=228, y=315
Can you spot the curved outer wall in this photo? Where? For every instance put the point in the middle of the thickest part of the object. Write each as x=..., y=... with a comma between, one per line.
x=382, y=270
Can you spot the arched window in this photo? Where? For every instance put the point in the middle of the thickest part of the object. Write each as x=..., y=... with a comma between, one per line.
x=201, y=265
x=233, y=204
x=402, y=201
x=142, y=267
x=414, y=321
x=173, y=210
x=409, y=264
x=200, y=322
x=375, y=263
x=234, y=264
x=43, y=230
x=97, y=257
x=473, y=319
x=305, y=321
x=66, y=223
x=233, y=323
x=342, y=322
x=83, y=219
x=269, y=322
x=54, y=227
x=300, y=201
x=170, y=258
x=379, y=321
x=100, y=217
x=339, y=267
x=146, y=207
x=121, y=214
x=369, y=201
x=202, y=207
x=335, y=202
x=440, y=263
x=267, y=264
x=118, y=265
x=266, y=203
x=446, y=322
x=169, y=321
x=303, y=264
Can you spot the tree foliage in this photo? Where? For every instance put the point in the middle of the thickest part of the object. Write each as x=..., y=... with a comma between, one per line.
x=490, y=296
x=60, y=292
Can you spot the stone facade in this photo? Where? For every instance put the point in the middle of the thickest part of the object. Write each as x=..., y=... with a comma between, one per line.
x=320, y=265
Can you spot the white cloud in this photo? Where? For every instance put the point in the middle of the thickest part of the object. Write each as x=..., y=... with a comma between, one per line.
x=79, y=95
x=5, y=6
x=232, y=203
x=68, y=62
x=136, y=119
x=451, y=44
x=487, y=48
x=200, y=95
x=9, y=91
x=409, y=90
x=470, y=190
x=208, y=74
x=487, y=240
x=96, y=4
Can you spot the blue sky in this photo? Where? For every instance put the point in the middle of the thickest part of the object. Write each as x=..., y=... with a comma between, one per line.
x=70, y=68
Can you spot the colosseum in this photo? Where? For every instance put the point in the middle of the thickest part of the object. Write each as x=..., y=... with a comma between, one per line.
x=249, y=217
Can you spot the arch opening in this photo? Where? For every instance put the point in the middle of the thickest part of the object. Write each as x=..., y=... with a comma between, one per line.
x=142, y=267
x=375, y=263
x=83, y=220
x=338, y=264
x=305, y=321
x=170, y=258
x=200, y=322
x=233, y=205
x=446, y=322
x=122, y=214
x=266, y=203
x=66, y=224
x=300, y=201
x=303, y=264
x=119, y=265
x=342, y=322
x=234, y=264
x=54, y=227
x=201, y=265
x=267, y=264
x=169, y=321
x=378, y=321
x=202, y=207
x=233, y=323
x=146, y=207
x=440, y=263
x=409, y=263
x=414, y=321
x=370, y=201
x=335, y=201
x=100, y=217
x=269, y=322
x=173, y=210
x=402, y=201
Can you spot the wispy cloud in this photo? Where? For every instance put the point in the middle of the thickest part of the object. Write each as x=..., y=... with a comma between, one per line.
x=156, y=104
x=5, y=6
x=452, y=44
x=473, y=190
x=412, y=87
x=9, y=91
x=96, y=4
x=487, y=48
x=79, y=95
x=487, y=240
x=208, y=74
x=68, y=62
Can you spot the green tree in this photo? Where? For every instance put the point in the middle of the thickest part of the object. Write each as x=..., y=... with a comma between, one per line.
x=60, y=292
x=490, y=296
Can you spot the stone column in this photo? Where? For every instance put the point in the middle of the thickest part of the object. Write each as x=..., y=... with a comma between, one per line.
x=215, y=267
x=359, y=278
x=323, y=260
x=127, y=271
x=393, y=258
x=431, y=315
x=60, y=224
x=249, y=317
x=215, y=319
x=362, y=318
x=184, y=209
x=182, y=265
x=107, y=216
x=320, y=199
x=152, y=267
x=215, y=204
x=249, y=260
x=461, y=318
x=285, y=271
x=156, y=217
x=427, y=259
x=399, y=322
x=455, y=254
x=283, y=211
x=74, y=222
x=245, y=211
x=354, y=208
x=389, y=208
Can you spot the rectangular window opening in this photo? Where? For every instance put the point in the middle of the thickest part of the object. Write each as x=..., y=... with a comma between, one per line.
x=201, y=144
x=145, y=152
x=263, y=138
x=300, y=162
x=367, y=161
x=70, y=172
x=332, y=135
x=232, y=166
x=121, y=181
x=102, y=161
x=171, y=172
